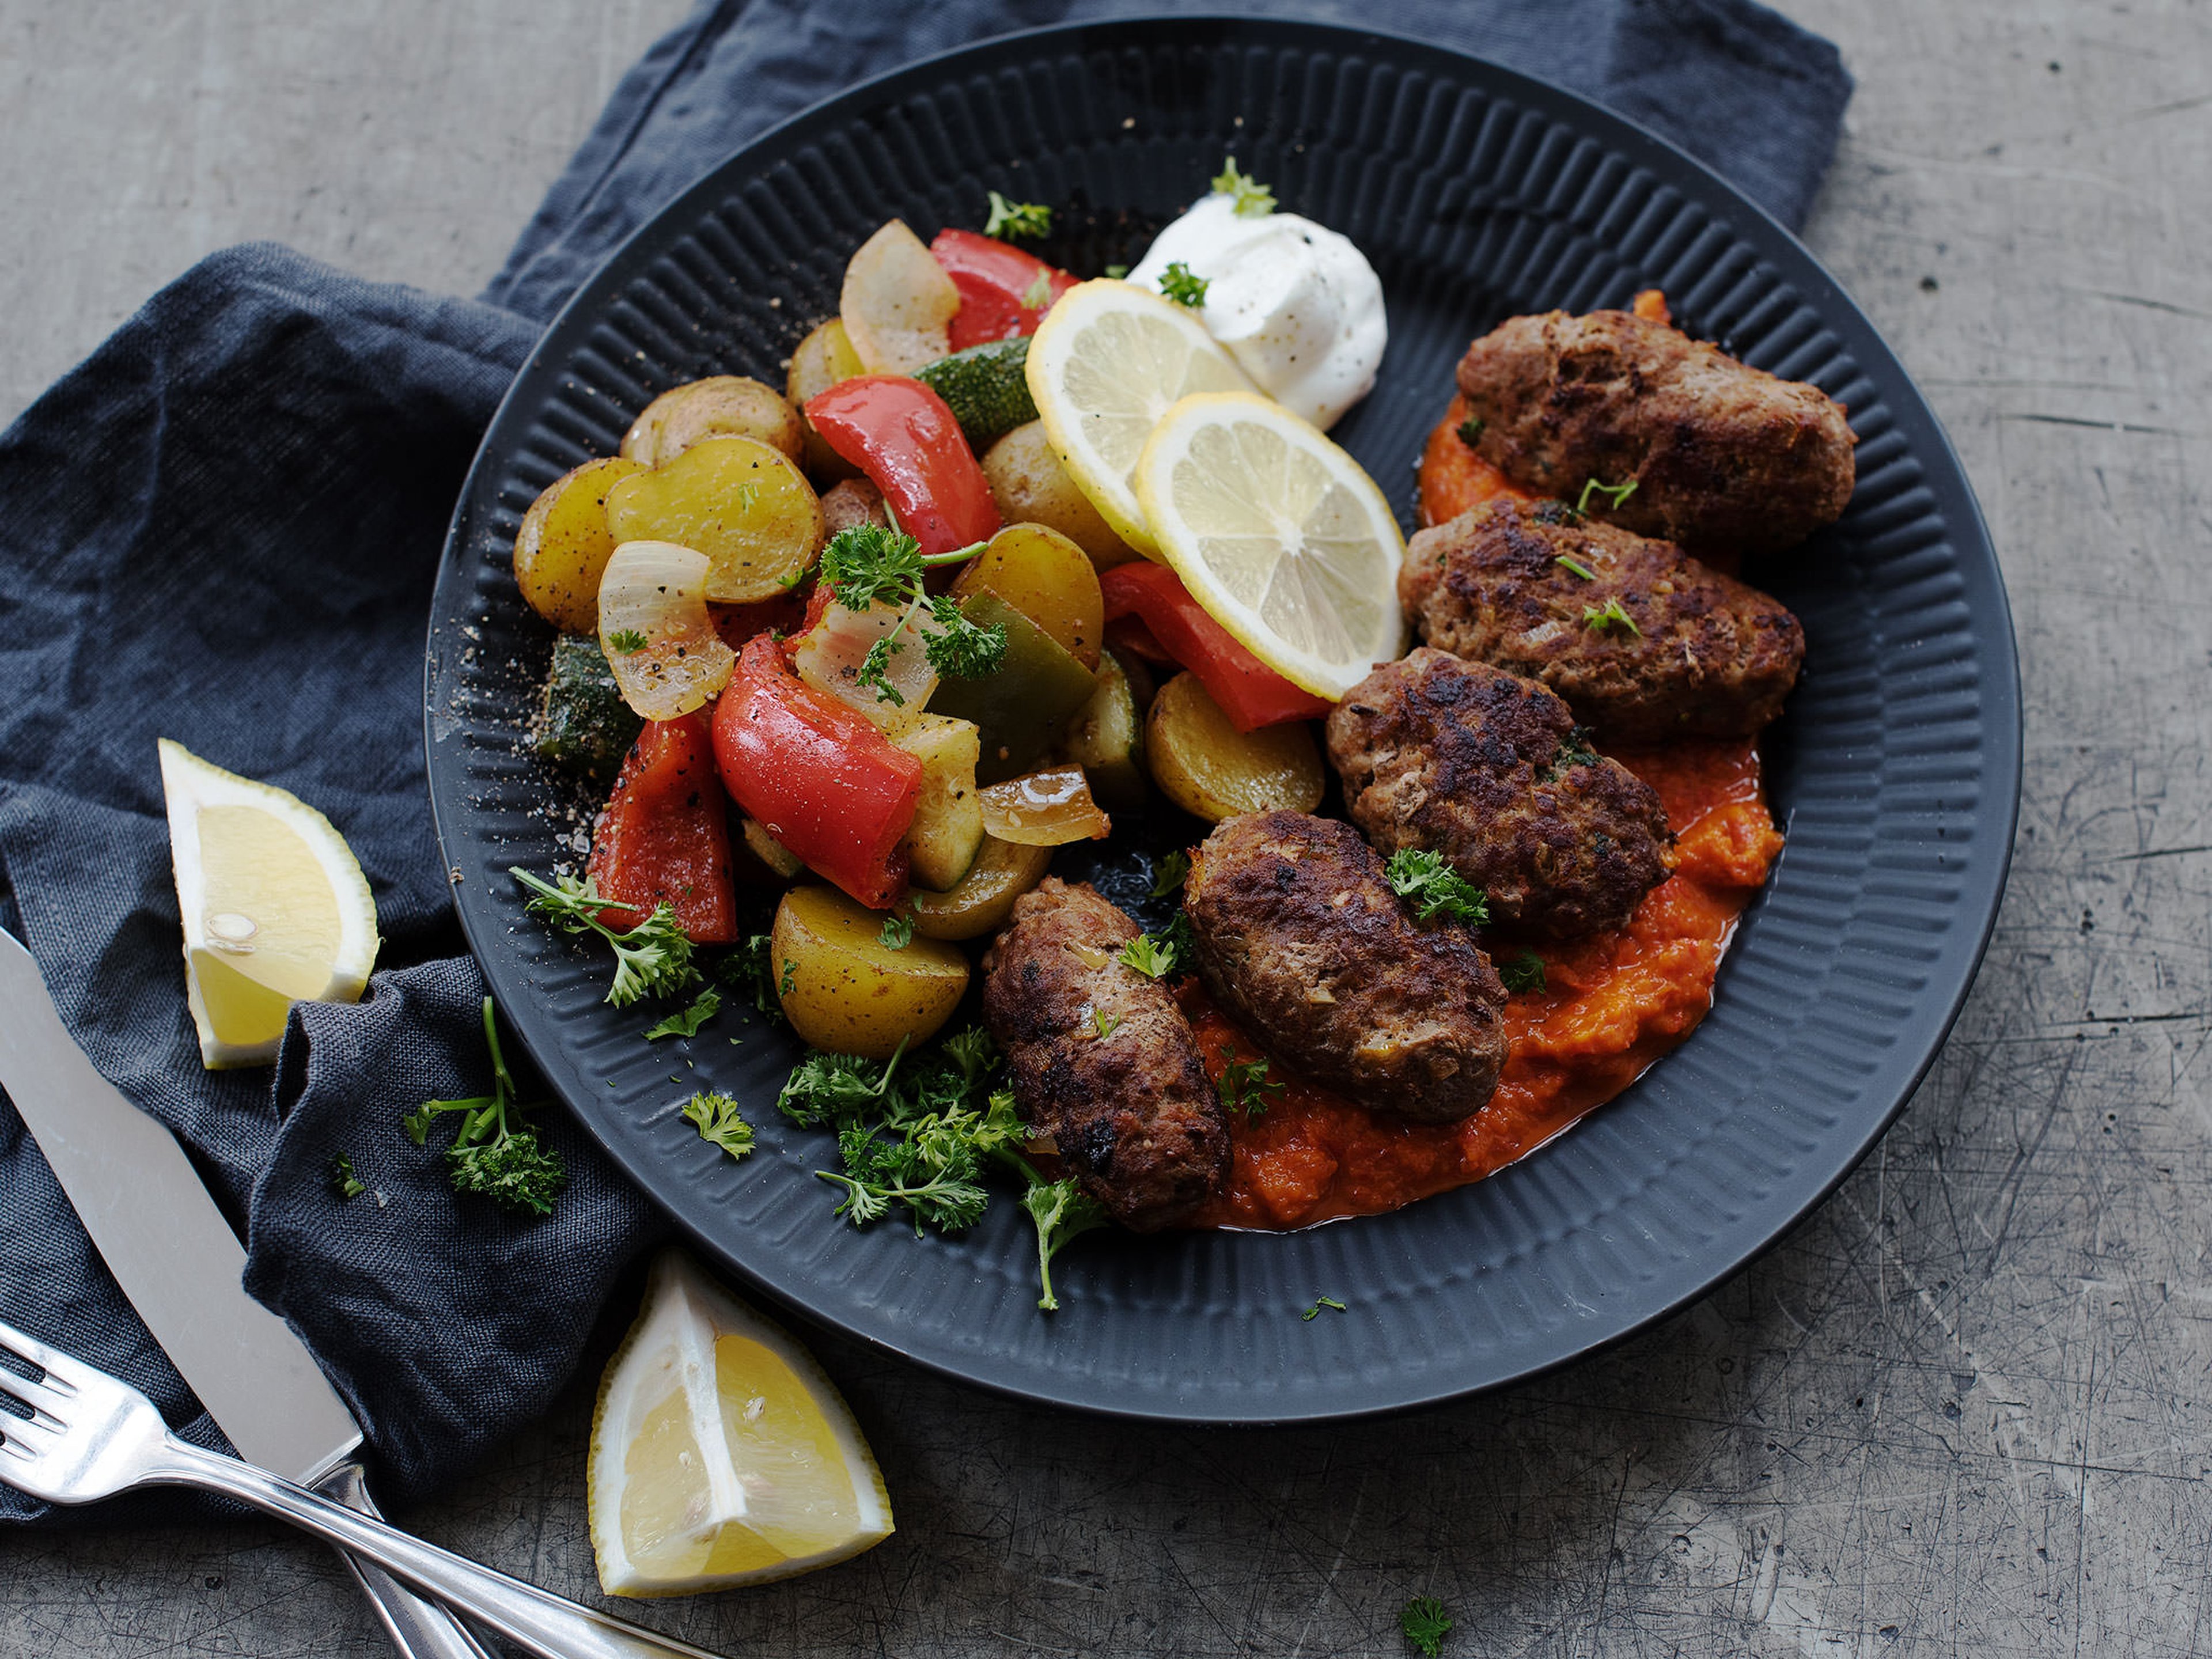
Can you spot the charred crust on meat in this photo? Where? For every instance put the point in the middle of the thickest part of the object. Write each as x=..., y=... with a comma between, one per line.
x=1454, y=761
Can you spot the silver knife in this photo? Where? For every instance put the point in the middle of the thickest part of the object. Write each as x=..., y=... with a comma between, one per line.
x=181, y=1265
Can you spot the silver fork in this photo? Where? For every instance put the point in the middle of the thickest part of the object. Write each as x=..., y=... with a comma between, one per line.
x=91, y=1435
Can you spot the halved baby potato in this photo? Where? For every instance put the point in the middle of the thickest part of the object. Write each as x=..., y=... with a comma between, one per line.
x=848, y=992
x=562, y=548
x=720, y=406
x=1031, y=486
x=741, y=502
x=1206, y=766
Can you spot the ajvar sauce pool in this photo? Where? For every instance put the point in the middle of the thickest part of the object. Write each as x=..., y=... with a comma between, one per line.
x=1611, y=1004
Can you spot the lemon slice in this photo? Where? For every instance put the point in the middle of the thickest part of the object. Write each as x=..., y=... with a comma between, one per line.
x=1109, y=361
x=276, y=910
x=1279, y=534
x=720, y=1453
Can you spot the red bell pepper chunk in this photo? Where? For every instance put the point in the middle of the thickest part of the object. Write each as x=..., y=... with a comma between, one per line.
x=662, y=838
x=899, y=432
x=1249, y=692
x=996, y=282
x=818, y=774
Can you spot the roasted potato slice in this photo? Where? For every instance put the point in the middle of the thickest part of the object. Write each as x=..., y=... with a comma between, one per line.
x=722, y=406
x=1031, y=487
x=562, y=548
x=1046, y=577
x=850, y=993
x=1207, y=767
x=742, y=503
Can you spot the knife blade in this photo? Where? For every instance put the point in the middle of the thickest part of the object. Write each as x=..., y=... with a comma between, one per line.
x=180, y=1265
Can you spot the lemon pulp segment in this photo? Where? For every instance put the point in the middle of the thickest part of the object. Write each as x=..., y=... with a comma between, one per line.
x=1281, y=535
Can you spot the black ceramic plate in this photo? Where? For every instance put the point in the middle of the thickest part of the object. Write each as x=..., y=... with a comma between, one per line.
x=1478, y=194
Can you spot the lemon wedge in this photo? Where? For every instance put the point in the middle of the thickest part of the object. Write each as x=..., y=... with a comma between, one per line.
x=720, y=1453
x=1108, y=362
x=275, y=908
x=1279, y=534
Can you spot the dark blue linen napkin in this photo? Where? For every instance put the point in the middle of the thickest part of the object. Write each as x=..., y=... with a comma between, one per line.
x=222, y=528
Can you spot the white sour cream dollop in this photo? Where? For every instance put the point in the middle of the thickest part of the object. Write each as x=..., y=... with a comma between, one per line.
x=1297, y=305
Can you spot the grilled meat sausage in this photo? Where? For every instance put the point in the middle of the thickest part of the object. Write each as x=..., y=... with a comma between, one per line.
x=1132, y=1111
x=1302, y=941
x=1489, y=771
x=1724, y=456
x=1516, y=586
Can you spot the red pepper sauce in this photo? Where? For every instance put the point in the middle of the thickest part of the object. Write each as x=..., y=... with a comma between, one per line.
x=1611, y=1004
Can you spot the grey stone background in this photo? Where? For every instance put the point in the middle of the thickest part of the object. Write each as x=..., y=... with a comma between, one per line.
x=1963, y=1410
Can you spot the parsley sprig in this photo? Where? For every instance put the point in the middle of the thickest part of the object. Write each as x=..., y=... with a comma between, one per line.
x=495, y=1153
x=920, y=1130
x=719, y=1123
x=1245, y=1085
x=1470, y=430
x=867, y=565
x=1060, y=1211
x=1611, y=614
x=1524, y=972
x=686, y=1022
x=1426, y=1623
x=1615, y=494
x=1434, y=889
x=1248, y=197
x=653, y=959
x=344, y=1184
x=1574, y=751
x=750, y=971
x=1179, y=283
x=1017, y=218
x=1169, y=873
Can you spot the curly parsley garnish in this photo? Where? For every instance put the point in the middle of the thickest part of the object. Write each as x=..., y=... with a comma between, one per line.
x=1177, y=283
x=1609, y=614
x=1060, y=1211
x=719, y=1123
x=344, y=1184
x=1522, y=973
x=653, y=959
x=1576, y=750
x=1248, y=197
x=1149, y=956
x=896, y=933
x=1615, y=493
x=1470, y=430
x=1017, y=218
x=1321, y=1301
x=704, y=1007
x=1245, y=1085
x=1168, y=874
x=1424, y=1623
x=494, y=1153
x=867, y=565
x=1434, y=889
x=626, y=642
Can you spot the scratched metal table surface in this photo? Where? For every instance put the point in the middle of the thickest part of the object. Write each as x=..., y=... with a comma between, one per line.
x=1965, y=1409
